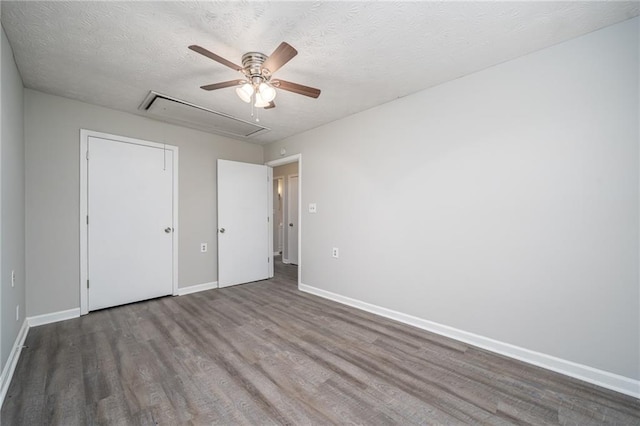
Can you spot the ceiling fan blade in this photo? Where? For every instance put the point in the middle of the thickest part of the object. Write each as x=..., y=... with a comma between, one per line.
x=211, y=55
x=296, y=88
x=283, y=54
x=271, y=105
x=222, y=85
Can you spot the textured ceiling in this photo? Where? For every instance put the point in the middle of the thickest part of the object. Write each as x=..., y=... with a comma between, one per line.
x=361, y=54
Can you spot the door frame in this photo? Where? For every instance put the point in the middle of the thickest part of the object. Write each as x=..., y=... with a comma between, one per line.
x=279, y=162
x=84, y=177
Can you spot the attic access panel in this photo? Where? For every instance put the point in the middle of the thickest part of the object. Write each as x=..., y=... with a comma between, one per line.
x=187, y=114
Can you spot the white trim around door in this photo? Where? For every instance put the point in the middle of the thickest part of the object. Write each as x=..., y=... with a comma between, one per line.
x=84, y=139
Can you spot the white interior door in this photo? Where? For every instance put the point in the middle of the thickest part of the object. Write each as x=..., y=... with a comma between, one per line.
x=130, y=222
x=244, y=228
x=292, y=228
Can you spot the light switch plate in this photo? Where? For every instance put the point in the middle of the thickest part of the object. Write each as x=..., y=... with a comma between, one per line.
x=313, y=208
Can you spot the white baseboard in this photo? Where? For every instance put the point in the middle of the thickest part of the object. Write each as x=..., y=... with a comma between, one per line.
x=12, y=361
x=53, y=317
x=196, y=288
x=285, y=261
x=588, y=374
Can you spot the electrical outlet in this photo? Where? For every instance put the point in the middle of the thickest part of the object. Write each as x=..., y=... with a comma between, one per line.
x=335, y=252
x=203, y=247
x=13, y=278
x=17, y=312
x=313, y=208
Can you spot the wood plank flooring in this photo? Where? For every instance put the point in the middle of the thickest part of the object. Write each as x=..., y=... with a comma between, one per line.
x=265, y=353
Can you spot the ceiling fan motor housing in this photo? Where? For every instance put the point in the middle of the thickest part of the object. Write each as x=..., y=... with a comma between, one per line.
x=252, y=66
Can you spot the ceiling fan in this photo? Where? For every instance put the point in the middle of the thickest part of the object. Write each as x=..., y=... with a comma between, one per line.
x=258, y=86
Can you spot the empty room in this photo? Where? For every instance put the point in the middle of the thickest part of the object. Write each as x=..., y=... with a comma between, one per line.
x=312, y=213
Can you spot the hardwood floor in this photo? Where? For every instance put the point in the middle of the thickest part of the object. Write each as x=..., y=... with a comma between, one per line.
x=265, y=353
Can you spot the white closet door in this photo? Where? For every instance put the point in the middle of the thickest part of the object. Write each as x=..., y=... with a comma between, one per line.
x=130, y=231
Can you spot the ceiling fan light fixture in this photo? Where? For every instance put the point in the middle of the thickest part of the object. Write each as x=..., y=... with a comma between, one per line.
x=260, y=101
x=267, y=92
x=245, y=92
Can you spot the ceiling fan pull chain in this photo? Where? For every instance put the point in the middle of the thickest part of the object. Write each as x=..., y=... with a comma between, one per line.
x=253, y=101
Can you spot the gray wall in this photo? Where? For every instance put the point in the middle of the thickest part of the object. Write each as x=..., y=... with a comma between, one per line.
x=504, y=203
x=52, y=136
x=284, y=171
x=12, y=165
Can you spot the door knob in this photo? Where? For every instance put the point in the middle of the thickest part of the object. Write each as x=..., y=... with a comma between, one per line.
x=222, y=230
x=291, y=225
x=167, y=230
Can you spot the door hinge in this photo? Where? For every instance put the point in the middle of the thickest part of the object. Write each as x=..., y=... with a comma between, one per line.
x=87, y=283
x=87, y=155
x=268, y=260
x=267, y=219
x=87, y=219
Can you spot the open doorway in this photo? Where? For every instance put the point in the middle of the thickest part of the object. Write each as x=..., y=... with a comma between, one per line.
x=278, y=215
x=286, y=218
